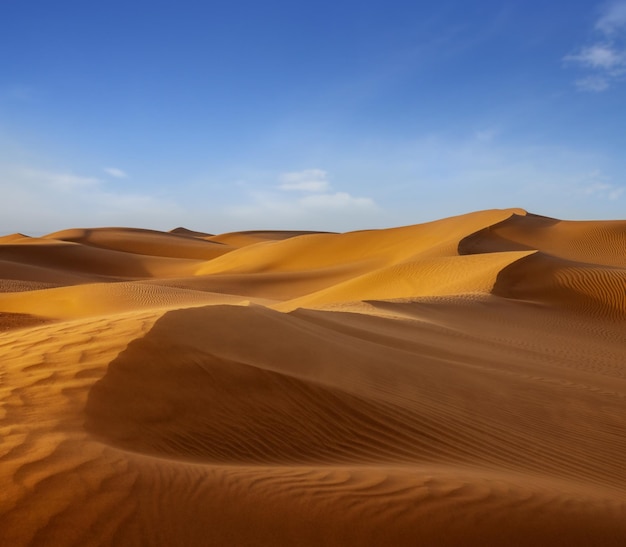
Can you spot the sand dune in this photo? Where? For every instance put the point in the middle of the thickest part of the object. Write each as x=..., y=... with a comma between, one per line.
x=460, y=382
x=251, y=237
x=144, y=242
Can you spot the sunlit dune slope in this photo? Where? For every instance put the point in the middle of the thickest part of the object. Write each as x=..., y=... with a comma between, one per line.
x=401, y=262
x=106, y=298
x=437, y=276
x=12, y=238
x=365, y=249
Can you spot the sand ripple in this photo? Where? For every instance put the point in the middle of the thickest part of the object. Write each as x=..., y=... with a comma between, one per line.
x=461, y=382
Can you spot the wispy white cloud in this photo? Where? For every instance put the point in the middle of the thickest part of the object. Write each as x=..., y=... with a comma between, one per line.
x=603, y=190
x=65, y=182
x=383, y=184
x=115, y=172
x=319, y=208
x=487, y=134
x=337, y=200
x=315, y=183
x=606, y=57
x=592, y=83
x=41, y=200
x=597, y=185
x=335, y=212
x=438, y=176
x=38, y=201
x=600, y=56
x=309, y=180
x=613, y=19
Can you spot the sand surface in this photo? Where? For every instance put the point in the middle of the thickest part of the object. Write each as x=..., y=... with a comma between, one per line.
x=460, y=382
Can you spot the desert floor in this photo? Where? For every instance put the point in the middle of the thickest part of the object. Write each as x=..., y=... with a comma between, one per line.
x=460, y=382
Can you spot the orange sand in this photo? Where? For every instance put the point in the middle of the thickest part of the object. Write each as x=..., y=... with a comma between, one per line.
x=460, y=382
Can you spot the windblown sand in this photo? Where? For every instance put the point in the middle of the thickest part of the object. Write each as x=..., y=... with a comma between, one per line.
x=461, y=382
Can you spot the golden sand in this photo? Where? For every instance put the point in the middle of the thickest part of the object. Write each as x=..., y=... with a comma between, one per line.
x=460, y=382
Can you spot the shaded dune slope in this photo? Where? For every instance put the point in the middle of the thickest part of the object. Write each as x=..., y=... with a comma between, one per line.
x=182, y=231
x=251, y=237
x=353, y=415
x=598, y=290
x=324, y=427
x=144, y=242
x=268, y=401
x=593, y=242
x=49, y=257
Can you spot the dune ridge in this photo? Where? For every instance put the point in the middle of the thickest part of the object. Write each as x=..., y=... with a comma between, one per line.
x=459, y=382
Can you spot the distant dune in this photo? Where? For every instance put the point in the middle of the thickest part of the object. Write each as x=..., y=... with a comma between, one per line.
x=459, y=382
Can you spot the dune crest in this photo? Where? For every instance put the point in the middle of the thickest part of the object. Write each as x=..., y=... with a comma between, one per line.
x=458, y=382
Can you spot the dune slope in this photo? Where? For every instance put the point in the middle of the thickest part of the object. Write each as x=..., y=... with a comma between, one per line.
x=461, y=382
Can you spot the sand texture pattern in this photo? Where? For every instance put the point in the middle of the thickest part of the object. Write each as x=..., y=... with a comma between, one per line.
x=459, y=382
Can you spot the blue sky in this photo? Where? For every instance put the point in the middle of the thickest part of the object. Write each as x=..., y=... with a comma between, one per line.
x=308, y=115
